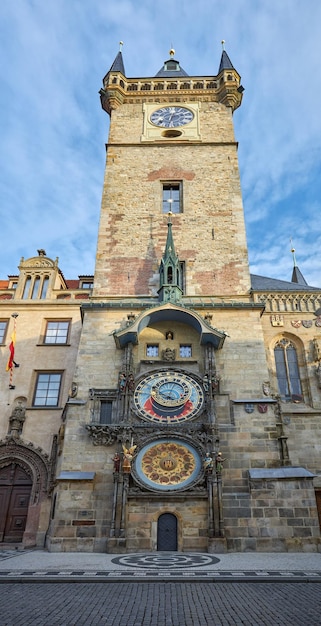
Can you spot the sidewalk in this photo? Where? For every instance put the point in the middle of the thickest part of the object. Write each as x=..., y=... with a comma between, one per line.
x=36, y=565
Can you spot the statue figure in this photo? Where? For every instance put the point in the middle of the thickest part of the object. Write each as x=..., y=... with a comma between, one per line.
x=131, y=382
x=116, y=459
x=219, y=462
x=208, y=463
x=122, y=382
x=168, y=354
x=205, y=382
x=215, y=383
x=128, y=457
x=17, y=419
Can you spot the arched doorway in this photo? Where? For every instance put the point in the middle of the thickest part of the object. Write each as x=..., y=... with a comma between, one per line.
x=15, y=491
x=167, y=533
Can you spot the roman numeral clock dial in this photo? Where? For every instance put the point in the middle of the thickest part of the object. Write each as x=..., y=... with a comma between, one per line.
x=171, y=117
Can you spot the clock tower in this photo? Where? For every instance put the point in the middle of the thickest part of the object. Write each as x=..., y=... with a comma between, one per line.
x=171, y=342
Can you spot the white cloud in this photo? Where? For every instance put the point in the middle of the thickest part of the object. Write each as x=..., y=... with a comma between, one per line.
x=55, y=54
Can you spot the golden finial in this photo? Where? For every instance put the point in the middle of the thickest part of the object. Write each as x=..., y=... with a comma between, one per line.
x=293, y=252
x=223, y=44
x=171, y=52
x=121, y=43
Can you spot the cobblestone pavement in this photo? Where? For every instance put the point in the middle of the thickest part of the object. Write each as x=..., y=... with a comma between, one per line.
x=160, y=604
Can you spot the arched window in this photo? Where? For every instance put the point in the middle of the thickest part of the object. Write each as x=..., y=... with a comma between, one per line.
x=287, y=370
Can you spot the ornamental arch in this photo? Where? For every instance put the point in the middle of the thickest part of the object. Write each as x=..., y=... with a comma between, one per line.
x=24, y=487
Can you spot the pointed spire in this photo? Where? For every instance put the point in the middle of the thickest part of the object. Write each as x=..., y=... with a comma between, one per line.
x=297, y=276
x=170, y=270
x=225, y=63
x=118, y=64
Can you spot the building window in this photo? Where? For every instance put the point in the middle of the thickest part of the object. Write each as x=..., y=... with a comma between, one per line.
x=287, y=370
x=86, y=285
x=44, y=288
x=26, y=289
x=185, y=351
x=152, y=349
x=35, y=288
x=172, y=197
x=103, y=405
x=3, y=330
x=106, y=410
x=57, y=332
x=47, y=389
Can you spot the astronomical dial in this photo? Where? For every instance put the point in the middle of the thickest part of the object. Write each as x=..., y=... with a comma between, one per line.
x=171, y=117
x=168, y=397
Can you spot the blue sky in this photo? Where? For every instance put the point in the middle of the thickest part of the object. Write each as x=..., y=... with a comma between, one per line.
x=54, y=55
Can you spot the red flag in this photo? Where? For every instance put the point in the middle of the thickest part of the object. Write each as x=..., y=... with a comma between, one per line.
x=10, y=363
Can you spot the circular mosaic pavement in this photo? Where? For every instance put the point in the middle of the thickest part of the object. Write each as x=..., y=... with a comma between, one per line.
x=165, y=560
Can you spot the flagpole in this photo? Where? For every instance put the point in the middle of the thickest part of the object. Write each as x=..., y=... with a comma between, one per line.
x=11, y=362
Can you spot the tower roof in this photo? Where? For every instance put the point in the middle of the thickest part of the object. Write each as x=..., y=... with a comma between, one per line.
x=118, y=64
x=171, y=68
x=225, y=63
x=297, y=276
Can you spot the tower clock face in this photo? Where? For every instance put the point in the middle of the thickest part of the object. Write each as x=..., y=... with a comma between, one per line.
x=171, y=117
x=168, y=397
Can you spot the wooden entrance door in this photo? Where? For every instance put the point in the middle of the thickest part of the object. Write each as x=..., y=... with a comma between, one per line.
x=167, y=532
x=15, y=490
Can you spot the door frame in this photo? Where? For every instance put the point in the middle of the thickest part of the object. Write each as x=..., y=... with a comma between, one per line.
x=39, y=466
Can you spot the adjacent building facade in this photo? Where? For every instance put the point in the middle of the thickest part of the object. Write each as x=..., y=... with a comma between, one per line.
x=40, y=325
x=192, y=394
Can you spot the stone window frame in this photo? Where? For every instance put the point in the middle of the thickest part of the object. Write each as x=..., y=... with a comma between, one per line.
x=172, y=204
x=98, y=397
x=48, y=386
x=66, y=335
x=291, y=371
x=4, y=323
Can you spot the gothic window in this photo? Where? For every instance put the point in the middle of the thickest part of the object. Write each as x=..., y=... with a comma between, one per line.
x=287, y=370
x=172, y=197
x=3, y=330
x=47, y=389
x=57, y=332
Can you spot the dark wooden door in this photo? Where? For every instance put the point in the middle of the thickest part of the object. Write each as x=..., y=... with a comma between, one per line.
x=167, y=532
x=15, y=490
